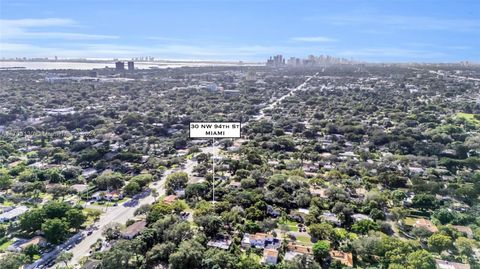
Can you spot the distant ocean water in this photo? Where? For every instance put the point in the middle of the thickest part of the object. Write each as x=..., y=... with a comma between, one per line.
x=92, y=65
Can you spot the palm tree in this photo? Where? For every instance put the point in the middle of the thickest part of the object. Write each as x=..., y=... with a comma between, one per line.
x=155, y=194
x=64, y=257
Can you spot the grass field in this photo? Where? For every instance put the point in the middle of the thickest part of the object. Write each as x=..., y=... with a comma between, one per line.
x=410, y=221
x=4, y=246
x=8, y=203
x=469, y=117
x=292, y=225
x=304, y=239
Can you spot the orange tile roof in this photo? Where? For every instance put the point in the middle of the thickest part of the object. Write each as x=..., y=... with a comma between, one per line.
x=170, y=199
x=425, y=223
x=259, y=236
x=34, y=241
x=299, y=248
x=270, y=252
x=346, y=258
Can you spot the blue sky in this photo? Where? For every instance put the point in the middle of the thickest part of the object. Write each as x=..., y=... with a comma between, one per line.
x=391, y=31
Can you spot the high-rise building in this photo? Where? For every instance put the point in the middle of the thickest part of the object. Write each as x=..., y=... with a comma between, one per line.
x=131, y=66
x=276, y=61
x=119, y=66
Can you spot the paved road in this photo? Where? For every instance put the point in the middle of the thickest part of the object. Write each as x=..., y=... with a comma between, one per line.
x=271, y=106
x=53, y=254
x=121, y=214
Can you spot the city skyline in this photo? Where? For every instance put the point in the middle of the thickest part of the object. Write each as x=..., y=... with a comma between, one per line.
x=398, y=31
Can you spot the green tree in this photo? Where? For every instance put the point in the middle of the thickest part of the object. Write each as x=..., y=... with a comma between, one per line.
x=176, y=181
x=5, y=179
x=444, y=215
x=132, y=188
x=118, y=256
x=248, y=262
x=465, y=246
x=12, y=261
x=396, y=266
x=75, y=218
x=158, y=211
x=55, y=230
x=321, y=230
x=364, y=226
x=32, y=221
x=109, y=181
x=30, y=251
x=420, y=259
x=160, y=253
x=64, y=257
x=56, y=209
x=28, y=175
x=142, y=179
x=424, y=201
x=219, y=259
x=111, y=231
x=321, y=249
x=439, y=242
x=54, y=176
x=300, y=262
x=399, y=213
x=210, y=224
x=421, y=232
x=188, y=255
x=155, y=195
x=178, y=232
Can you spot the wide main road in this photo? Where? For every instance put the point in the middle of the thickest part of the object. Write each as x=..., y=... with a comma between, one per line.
x=272, y=105
x=121, y=214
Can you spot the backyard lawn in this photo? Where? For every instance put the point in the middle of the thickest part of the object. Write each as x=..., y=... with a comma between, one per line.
x=4, y=246
x=469, y=117
x=292, y=225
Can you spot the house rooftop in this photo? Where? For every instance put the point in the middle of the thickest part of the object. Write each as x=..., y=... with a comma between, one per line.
x=259, y=236
x=427, y=224
x=345, y=258
x=134, y=229
x=170, y=199
x=464, y=229
x=300, y=248
x=12, y=214
x=37, y=240
x=269, y=252
x=220, y=242
x=441, y=264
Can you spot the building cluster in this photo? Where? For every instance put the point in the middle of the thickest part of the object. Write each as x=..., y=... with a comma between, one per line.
x=144, y=59
x=310, y=61
x=276, y=61
x=120, y=66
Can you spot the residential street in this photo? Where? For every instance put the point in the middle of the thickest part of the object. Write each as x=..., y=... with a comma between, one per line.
x=121, y=214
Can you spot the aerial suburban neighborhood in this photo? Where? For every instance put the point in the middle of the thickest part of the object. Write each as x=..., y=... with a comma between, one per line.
x=340, y=165
x=240, y=134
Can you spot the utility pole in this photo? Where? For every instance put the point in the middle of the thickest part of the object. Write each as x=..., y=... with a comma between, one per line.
x=213, y=168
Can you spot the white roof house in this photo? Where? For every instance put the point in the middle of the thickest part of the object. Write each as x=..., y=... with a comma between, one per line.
x=13, y=214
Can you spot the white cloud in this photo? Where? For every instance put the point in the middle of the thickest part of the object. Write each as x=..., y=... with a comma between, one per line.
x=380, y=22
x=26, y=23
x=21, y=29
x=161, y=38
x=166, y=51
x=391, y=53
x=318, y=39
